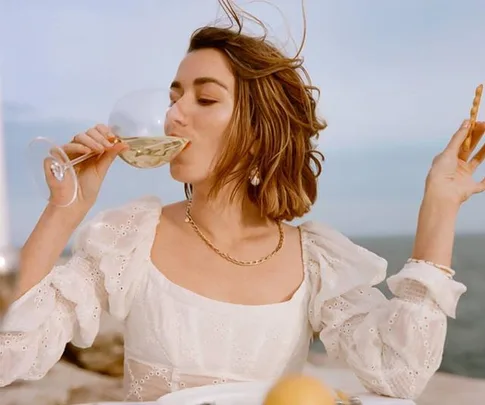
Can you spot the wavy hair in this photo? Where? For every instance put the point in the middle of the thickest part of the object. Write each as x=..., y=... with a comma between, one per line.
x=273, y=124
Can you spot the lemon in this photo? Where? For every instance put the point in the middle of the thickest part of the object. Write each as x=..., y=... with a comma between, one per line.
x=299, y=390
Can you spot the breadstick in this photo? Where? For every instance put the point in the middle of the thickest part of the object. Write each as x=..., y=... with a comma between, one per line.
x=473, y=117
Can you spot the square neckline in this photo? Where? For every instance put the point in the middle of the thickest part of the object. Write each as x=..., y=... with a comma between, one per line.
x=193, y=298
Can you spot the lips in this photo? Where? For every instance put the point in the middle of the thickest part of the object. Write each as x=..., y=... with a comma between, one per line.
x=177, y=135
x=186, y=145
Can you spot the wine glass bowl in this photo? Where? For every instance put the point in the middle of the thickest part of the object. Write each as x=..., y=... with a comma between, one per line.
x=149, y=153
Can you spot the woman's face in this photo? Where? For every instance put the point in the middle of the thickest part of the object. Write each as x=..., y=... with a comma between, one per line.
x=202, y=96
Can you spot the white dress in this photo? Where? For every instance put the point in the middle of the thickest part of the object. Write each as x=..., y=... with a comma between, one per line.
x=175, y=338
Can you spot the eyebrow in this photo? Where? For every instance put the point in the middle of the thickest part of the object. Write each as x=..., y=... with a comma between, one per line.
x=199, y=82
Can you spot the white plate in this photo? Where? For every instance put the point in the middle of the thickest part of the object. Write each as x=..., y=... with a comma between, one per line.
x=247, y=393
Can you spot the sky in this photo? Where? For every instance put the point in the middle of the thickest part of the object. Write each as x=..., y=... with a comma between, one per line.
x=396, y=80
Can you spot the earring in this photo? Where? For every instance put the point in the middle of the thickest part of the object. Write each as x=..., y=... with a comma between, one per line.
x=254, y=177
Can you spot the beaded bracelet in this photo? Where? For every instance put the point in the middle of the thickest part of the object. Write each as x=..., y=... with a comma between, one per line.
x=445, y=269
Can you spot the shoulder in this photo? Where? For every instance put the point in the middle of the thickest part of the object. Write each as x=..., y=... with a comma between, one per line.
x=121, y=227
x=328, y=239
x=335, y=260
x=131, y=212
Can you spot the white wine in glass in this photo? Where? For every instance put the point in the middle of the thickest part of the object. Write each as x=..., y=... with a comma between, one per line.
x=137, y=119
x=150, y=152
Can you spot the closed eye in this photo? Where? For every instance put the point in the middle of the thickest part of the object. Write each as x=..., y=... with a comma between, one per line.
x=206, y=102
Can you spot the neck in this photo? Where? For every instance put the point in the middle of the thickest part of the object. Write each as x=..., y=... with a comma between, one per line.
x=220, y=217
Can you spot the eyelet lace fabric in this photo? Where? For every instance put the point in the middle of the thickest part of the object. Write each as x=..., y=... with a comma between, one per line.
x=175, y=339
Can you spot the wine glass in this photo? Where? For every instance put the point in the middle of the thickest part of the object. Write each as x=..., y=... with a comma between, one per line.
x=137, y=119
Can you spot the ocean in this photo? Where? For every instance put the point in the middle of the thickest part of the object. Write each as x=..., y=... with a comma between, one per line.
x=465, y=344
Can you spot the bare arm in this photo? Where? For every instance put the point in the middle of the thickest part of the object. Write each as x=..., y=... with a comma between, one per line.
x=435, y=231
x=56, y=225
x=46, y=243
x=449, y=183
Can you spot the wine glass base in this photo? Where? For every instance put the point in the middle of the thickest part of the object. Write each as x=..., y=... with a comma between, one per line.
x=57, y=170
x=57, y=182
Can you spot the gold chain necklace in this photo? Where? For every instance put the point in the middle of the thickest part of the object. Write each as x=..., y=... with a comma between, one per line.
x=189, y=219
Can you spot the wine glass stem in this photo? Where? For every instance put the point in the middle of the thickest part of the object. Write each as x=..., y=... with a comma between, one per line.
x=59, y=170
x=81, y=159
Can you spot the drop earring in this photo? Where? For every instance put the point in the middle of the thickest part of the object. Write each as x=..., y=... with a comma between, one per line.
x=254, y=177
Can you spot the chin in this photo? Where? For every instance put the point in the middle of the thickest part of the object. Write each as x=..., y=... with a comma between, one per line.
x=184, y=172
x=178, y=172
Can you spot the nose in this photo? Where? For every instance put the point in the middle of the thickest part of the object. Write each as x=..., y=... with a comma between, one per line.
x=175, y=115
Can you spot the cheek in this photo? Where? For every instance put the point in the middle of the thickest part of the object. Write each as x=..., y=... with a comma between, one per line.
x=213, y=124
x=222, y=118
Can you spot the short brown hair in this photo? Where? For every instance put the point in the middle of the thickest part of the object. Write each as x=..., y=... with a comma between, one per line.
x=273, y=123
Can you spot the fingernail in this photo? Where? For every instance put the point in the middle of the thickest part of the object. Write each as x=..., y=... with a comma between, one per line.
x=465, y=124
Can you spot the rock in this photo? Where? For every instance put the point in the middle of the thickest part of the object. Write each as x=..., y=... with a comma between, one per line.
x=105, y=356
x=82, y=375
x=65, y=384
x=7, y=288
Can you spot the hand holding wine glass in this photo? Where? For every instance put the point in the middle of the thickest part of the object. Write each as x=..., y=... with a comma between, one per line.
x=100, y=144
x=135, y=132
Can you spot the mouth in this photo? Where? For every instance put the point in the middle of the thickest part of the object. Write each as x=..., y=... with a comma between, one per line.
x=182, y=137
x=175, y=135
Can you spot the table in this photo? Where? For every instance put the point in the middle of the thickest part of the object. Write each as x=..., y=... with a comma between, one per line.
x=249, y=393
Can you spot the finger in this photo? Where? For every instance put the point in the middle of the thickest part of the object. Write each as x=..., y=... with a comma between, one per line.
x=467, y=143
x=477, y=135
x=473, y=140
x=104, y=130
x=73, y=149
x=108, y=157
x=480, y=188
x=478, y=158
x=99, y=137
x=108, y=133
x=458, y=138
x=86, y=140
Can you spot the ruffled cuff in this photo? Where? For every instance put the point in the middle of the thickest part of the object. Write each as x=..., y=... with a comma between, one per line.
x=71, y=286
x=443, y=290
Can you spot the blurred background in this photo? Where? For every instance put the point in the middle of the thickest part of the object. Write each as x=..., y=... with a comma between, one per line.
x=396, y=80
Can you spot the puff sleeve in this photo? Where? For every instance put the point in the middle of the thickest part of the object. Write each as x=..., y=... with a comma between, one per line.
x=66, y=305
x=394, y=346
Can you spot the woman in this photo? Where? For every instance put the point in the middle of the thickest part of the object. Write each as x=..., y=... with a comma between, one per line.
x=217, y=288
